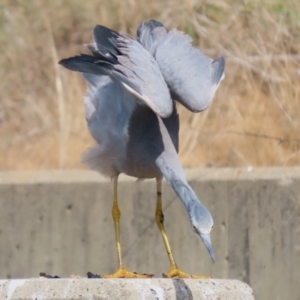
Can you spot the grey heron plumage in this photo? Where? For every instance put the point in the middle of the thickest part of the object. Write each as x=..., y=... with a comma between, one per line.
x=132, y=117
x=192, y=77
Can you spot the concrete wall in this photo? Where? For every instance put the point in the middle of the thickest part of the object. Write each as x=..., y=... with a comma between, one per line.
x=59, y=222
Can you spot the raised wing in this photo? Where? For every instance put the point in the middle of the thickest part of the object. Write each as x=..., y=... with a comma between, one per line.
x=118, y=55
x=192, y=77
x=150, y=38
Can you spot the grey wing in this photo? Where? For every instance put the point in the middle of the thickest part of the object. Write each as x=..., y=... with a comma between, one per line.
x=139, y=73
x=192, y=77
x=87, y=64
x=150, y=34
x=104, y=43
x=125, y=59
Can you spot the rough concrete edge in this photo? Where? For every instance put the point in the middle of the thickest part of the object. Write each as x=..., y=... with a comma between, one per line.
x=42, y=288
x=284, y=175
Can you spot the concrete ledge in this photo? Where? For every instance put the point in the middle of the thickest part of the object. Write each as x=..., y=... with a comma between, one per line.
x=134, y=289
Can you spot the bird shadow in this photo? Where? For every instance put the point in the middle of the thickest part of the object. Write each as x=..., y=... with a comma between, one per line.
x=182, y=290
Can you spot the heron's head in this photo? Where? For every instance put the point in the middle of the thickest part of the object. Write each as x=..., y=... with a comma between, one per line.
x=202, y=223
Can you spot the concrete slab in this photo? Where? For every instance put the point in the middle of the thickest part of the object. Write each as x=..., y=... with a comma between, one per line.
x=133, y=289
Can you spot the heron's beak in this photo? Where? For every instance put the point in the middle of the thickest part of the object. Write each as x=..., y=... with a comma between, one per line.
x=207, y=242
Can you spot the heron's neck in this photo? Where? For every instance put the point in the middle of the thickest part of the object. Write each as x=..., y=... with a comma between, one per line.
x=185, y=193
x=171, y=168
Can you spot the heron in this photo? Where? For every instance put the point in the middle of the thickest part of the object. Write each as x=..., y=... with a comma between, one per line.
x=130, y=109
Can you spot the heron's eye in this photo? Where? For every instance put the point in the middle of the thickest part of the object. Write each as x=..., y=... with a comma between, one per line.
x=194, y=228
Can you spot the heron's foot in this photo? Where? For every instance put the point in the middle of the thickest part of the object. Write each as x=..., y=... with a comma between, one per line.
x=176, y=272
x=123, y=273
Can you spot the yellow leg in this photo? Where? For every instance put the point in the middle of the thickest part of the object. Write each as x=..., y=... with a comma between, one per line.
x=174, y=270
x=116, y=214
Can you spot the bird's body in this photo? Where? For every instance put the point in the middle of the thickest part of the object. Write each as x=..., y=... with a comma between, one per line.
x=131, y=113
x=128, y=134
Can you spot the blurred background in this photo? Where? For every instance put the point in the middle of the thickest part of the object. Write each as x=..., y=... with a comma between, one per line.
x=254, y=119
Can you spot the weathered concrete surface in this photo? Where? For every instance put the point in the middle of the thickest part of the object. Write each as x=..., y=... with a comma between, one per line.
x=59, y=222
x=133, y=289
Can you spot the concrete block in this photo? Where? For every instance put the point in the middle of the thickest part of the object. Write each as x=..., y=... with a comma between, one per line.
x=133, y=289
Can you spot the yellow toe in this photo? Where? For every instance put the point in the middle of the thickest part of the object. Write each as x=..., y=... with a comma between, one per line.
x=122, y=272
x=176, y=272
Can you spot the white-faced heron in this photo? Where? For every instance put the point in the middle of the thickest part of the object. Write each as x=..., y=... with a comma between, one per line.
x=131, y=114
